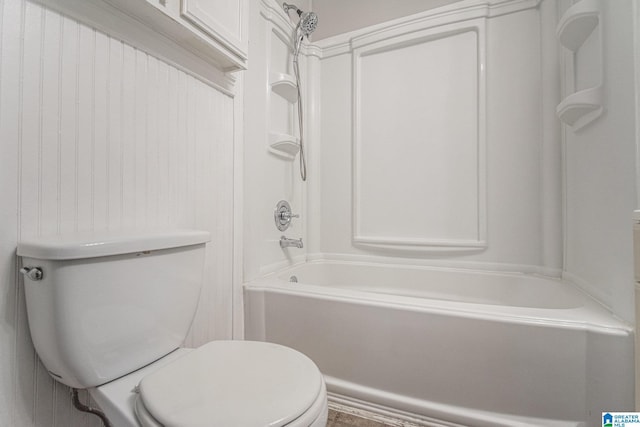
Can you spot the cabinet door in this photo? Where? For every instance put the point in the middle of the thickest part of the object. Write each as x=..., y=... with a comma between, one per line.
x=221, y=19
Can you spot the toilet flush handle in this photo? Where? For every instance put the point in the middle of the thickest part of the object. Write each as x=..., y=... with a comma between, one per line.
x=33, y=273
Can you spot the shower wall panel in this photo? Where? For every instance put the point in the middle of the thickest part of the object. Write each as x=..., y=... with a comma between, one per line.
x=419, y=140
x=270, y=175
x=401, y=149
x=600, y=164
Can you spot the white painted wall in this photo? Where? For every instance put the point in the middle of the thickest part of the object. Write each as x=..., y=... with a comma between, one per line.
x=600, y=173
x=95, y=134
x=520, y=166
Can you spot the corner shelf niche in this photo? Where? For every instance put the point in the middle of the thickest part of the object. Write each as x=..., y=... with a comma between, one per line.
x=282, y=88
x=284, y=145
x=285, y=86
x=576, y=25
x=581, y=108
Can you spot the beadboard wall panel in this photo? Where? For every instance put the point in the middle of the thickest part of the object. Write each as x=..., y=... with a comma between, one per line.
x=97, y=135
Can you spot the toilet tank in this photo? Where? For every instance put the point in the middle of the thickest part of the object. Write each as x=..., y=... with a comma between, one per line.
x=110, y=303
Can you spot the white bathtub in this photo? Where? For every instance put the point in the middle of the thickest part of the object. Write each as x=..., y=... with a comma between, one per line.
x=450, y=347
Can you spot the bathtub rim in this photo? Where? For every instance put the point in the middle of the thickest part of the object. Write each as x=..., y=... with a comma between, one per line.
x=592, y=316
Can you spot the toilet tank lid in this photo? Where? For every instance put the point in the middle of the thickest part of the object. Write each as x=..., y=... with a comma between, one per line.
x=97, y=244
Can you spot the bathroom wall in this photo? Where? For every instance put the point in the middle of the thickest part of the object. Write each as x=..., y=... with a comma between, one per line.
x=269, y=176
x=476, y=181
x=96, y=135
x=600, y=166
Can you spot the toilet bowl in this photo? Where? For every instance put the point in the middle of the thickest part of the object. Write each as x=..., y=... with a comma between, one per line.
x=109, y=312
x=222, y=383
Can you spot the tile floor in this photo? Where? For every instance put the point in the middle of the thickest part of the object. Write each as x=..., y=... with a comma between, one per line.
x=341, y=419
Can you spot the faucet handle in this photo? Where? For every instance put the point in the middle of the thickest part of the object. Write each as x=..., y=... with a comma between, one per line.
x=285, y=215
x=282, y=215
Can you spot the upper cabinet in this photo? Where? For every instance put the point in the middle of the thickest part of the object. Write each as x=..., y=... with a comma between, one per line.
x=207, y=38
x=219, y=19
x=213, y=28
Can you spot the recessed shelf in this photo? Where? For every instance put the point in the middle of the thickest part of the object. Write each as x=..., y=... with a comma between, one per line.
x=581, y=108
x=284, y=145
x=285, y=86
x=578, y=23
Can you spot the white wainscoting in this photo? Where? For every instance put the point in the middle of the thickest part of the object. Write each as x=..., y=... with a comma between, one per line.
x=419, y=139
x=95, y=134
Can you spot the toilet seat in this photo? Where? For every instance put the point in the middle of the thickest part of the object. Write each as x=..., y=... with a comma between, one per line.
x=233, y=383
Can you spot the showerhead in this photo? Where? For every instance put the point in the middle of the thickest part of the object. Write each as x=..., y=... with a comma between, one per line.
x=308, y=23
x=308, y=20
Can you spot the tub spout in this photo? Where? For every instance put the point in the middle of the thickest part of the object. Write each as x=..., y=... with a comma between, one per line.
x=285, y=242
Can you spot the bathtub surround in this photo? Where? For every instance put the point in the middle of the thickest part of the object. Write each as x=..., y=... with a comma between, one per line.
x=272, y=175
x=465, y=182
x=600, y=168
x=497, y=183
x=518, y=191
x=503, y=178
x=95, y=134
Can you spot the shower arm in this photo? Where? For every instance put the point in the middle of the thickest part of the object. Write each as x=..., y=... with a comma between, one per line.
x=287, y=7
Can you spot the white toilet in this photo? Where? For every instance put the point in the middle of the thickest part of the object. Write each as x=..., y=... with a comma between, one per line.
x=109, y=312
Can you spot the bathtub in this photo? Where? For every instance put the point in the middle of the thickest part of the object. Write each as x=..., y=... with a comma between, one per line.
x=450, y=347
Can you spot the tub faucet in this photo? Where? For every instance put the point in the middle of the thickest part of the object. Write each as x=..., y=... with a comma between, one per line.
x=285, y=242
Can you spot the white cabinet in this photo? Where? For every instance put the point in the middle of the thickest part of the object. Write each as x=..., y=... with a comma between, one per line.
x=220, y=19
x=207, y=38
x=214, y=29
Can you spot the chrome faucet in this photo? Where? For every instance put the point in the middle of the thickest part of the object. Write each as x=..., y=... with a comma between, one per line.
x=285, y=242
x=282, y=215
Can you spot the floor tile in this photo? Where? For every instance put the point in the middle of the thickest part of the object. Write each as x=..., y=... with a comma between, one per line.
x=340, y=419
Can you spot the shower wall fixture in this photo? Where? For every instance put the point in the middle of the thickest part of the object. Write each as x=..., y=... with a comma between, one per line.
x=271, y=137
x=306, y=25
x=579, y=32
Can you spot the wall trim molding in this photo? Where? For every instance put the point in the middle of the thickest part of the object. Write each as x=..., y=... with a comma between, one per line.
x=456, y=12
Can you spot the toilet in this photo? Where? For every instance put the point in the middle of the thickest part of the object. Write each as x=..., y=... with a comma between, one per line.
x=109, y=312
